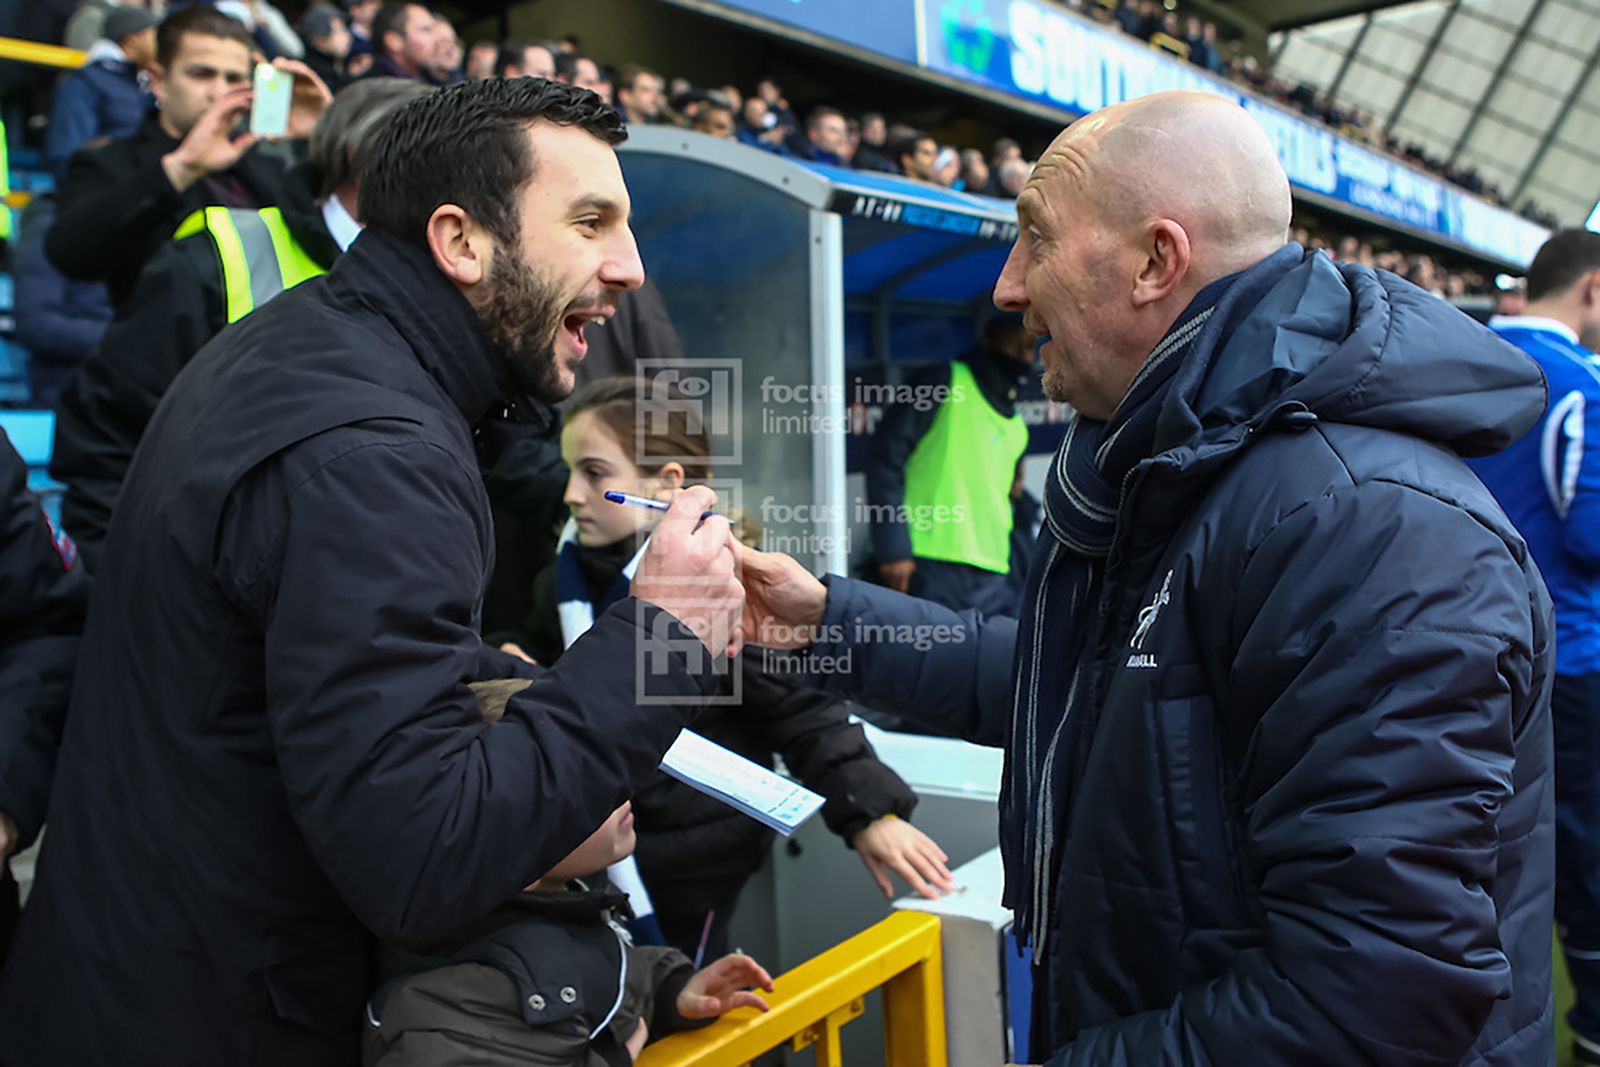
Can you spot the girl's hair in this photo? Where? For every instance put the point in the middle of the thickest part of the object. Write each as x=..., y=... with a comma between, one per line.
x=650, y=421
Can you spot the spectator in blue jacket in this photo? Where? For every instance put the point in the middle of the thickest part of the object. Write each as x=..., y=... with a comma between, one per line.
x=1549, y=485
x=757, y=128
x=1276, y=710
x=59, y=321
x=104, y=97
x=825, y=140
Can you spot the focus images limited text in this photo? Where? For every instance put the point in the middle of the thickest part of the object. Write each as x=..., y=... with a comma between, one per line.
x=863, y=401
x=805, y=523
x=923, y=637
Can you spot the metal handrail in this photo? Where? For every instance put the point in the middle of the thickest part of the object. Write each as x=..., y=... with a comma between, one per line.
x=810, y=1003
x=42, y=55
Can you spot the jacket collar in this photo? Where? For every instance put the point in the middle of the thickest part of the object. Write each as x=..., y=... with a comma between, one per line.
x=104, y=51
x=150, y=130
x=400, y=282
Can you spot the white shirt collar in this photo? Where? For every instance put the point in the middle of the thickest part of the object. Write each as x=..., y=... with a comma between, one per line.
x=1532, y=322
x=341, y=226
x=106, y=49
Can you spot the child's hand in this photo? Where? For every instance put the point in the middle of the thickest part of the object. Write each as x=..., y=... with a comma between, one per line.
x=721, y=987
x=894, y=844
x=635, y=1044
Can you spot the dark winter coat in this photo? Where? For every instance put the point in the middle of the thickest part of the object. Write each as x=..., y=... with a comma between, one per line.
x=272, y=752
x=1312, y=821
x=59, y=321
x=43, y=596
x=100, y=99
x=552, y=981
x=177, y=306
x=116, y=207
x=695, y=852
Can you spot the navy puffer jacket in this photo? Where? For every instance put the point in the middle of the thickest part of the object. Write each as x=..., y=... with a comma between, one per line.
x=1315, y=821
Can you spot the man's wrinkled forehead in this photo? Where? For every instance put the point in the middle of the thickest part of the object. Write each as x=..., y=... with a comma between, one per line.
x=1042, y=203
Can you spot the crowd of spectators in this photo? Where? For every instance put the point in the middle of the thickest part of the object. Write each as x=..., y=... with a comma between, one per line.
x=409, y=40
x=1196, y=41
x=108, y=98
x=1420, y=268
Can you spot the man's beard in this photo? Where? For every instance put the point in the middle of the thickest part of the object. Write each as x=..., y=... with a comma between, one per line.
x=521, y=312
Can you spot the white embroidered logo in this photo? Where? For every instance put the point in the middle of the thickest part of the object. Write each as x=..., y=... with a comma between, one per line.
x=1148, y=615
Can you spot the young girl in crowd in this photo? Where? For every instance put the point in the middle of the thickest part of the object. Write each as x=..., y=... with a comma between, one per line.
x=695, y=854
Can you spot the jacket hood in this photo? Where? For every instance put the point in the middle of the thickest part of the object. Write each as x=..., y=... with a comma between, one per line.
x=1363, y=347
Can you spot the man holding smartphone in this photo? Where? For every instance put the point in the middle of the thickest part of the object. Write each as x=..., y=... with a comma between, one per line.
x=120, y=201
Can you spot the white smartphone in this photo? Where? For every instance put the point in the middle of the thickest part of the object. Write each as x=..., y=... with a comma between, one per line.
x=269, y=113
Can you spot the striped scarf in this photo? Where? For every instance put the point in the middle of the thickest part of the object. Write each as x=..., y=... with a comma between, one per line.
x=1055, y=672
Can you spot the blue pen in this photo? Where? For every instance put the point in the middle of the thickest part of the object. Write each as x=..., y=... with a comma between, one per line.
x=636, y=501
x=646, y=502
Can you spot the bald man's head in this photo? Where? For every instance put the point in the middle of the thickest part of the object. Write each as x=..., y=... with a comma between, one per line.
x=1129, y=213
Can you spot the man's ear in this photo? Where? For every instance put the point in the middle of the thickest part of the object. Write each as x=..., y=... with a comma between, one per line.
x=158, y=82
x=461, y=248
x=1164, y=263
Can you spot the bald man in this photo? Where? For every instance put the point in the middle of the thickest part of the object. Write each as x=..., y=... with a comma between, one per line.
x=1276, y=712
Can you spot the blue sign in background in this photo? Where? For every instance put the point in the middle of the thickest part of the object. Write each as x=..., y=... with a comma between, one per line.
x=886, y=27
x=1041, y=54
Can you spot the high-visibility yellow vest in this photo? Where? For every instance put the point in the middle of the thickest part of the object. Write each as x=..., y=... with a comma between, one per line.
x=5, y=185
x=256, y=253
x=958, y=479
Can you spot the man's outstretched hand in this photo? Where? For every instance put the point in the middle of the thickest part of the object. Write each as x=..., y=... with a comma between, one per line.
x=783, y=600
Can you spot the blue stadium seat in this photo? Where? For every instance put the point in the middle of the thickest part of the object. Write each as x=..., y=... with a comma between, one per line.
x=32, y=434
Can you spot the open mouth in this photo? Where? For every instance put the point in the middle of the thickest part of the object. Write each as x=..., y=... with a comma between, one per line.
x=575, y=323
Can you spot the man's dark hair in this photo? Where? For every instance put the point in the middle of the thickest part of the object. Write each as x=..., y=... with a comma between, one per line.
x=511, y=54
x=391, y=17
x=817, y=114
x=417, y=164
x=1002, y=146
x=567, y=66
x=707, y=107
x=1562, y=260
x=907, y=145
x=200, y=20
x=630, y=74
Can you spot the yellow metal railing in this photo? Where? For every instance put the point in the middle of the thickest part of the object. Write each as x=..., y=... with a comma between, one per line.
x=810, y=1003
x=43, y=55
